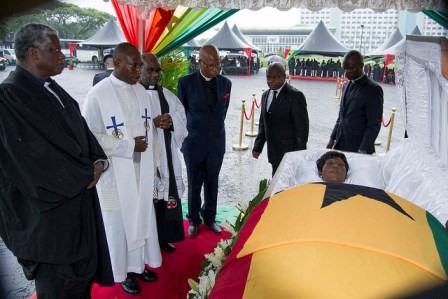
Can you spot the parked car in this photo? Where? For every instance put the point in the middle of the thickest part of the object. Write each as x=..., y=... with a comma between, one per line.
x=67, y=58
x=9, y=55
x=3, y=63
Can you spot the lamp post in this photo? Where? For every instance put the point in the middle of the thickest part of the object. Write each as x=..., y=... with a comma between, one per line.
x=360, y=46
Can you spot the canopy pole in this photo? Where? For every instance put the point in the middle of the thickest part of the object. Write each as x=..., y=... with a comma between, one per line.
x=141, y=35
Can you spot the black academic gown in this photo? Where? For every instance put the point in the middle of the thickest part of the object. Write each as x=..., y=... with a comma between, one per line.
x=46, y=160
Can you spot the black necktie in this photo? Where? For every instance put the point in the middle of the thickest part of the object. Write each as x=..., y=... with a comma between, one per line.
x=274, y=97
x=348, y=93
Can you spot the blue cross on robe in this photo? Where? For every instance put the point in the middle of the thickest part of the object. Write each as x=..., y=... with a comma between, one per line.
x=146, y=123
x=115, y=125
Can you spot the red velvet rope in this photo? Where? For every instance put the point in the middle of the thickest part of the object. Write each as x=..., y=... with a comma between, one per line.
x=251, y=112
x=256, y=104
x=386, y=125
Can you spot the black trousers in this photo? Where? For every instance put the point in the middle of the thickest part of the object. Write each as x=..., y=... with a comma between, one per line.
x=72, y=281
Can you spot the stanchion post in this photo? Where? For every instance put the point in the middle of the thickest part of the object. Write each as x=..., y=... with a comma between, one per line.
x=391, y=128
x=240, y=146
x=336, y=96
x=251, y=133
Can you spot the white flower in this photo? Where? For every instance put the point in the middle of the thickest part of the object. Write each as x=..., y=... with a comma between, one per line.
x=243, y=206
x=216, y=262
x=219, y=253
x=228, y=227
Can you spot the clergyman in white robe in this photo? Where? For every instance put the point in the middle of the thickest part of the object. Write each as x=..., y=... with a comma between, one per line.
x=116, y=112
x=170, y=225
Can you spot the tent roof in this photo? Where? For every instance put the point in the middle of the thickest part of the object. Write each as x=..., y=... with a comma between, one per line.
x=225, y=39
x=109, y=35
x=391, y=50
x=241, y=36
x=393, y=39
x=192, y=43
x=321, y=41
x=415, y=31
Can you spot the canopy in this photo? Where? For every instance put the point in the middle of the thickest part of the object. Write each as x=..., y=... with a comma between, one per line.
x=162, y=30
x=225, y=39
x=393, y=39
x=109, y=35
x=344, y=5
x=320, y=41
x=241, y=36
x=193, y=43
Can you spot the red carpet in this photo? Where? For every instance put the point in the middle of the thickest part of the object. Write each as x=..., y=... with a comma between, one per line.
x=176, y=269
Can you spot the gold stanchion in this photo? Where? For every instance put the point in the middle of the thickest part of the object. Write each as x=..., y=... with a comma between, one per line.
x=241, y=146
x=337, y=96
x=289, y=80
x=391, y=128
x=262, y=91
x=251, y=133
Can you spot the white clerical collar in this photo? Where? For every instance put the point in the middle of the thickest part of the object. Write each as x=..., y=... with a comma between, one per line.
x=117, y=82
x=205, y=78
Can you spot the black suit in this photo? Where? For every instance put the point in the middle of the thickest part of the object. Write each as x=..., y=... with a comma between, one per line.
x=100, y=76
x=360, y=114
x=285, y=126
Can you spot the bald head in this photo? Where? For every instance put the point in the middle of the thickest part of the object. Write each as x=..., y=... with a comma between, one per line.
x=209, y=61
x=127, y=63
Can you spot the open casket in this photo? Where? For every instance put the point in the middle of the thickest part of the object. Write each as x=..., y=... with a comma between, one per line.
x=380, y=235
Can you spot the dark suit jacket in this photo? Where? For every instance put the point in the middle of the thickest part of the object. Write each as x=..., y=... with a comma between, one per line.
x=285, y=126
x=47, y=215
x=100, y=76
x=206, y=131
x=360, y=115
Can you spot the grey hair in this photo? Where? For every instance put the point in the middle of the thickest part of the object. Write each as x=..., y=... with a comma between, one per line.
x=31, y=36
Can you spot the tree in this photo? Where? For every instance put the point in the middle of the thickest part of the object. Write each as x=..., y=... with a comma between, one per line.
x=69, y=20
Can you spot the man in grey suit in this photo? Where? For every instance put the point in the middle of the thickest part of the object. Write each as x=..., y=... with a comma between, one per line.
x=360, y=111
x=284, y=123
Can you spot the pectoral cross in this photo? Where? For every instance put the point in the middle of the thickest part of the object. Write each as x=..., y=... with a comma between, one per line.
x=117, y=132
x=146, y=123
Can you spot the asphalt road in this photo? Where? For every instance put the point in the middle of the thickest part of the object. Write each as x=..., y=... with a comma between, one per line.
x=240, y=172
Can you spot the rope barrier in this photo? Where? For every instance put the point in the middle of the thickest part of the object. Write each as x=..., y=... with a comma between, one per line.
x=389, y=139
x=251, y=112
x=256, y=103
x=252, y=133
x=388, y=123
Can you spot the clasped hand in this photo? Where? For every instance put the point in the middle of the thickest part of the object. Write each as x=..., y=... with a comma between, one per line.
x=163, y=121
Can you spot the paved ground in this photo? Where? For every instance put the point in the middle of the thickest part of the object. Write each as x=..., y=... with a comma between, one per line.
x=240, y=173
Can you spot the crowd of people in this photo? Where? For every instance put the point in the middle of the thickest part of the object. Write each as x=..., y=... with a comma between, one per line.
x=311, y=67
x=94, y=195
x=231, y=64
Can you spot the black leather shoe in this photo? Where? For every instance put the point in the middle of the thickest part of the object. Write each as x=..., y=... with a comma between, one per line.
x=215, y=228
x=168, y=247
x=193, y=231
x=130, y=286
x=147, y=275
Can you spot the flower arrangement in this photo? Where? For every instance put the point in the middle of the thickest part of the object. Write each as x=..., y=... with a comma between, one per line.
x=174, y=66
x=214, y=261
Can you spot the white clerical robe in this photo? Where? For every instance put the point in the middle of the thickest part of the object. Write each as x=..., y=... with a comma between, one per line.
x=116, y=113
x=178, y=134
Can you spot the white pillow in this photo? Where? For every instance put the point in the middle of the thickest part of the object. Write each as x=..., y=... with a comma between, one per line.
x=298, y=168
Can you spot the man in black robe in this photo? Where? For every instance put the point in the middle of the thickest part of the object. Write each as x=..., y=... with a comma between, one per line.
x=50, y=163
x=170, y=120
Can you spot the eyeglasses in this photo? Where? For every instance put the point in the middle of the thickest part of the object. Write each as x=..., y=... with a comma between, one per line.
x=211, y=66
x=150, y=70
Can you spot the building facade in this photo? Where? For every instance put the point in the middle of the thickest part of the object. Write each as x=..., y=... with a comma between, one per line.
x=361, y=29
